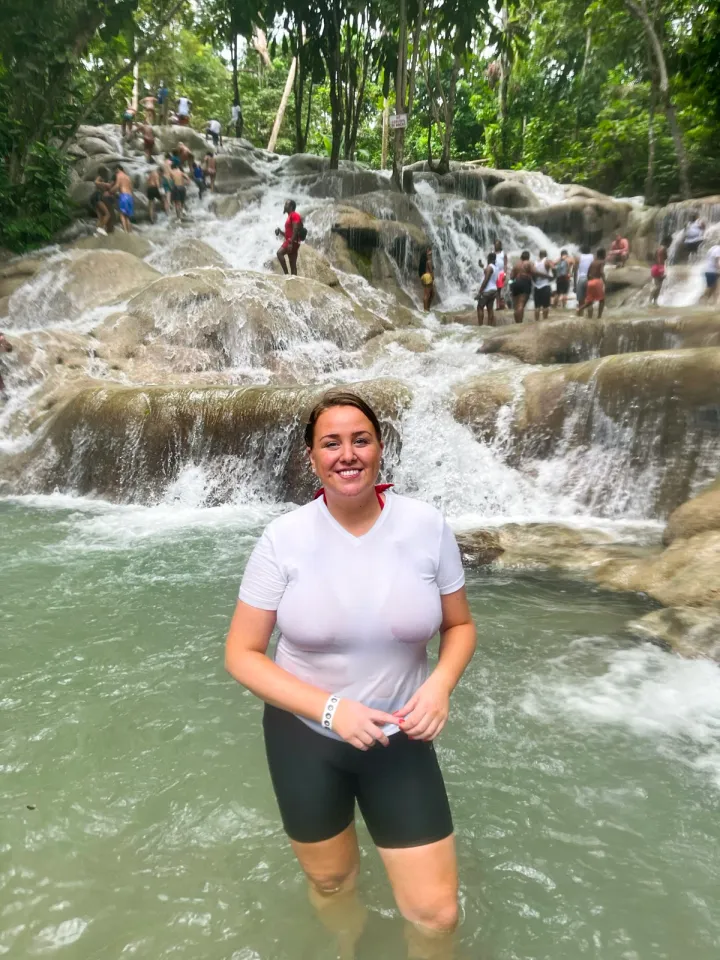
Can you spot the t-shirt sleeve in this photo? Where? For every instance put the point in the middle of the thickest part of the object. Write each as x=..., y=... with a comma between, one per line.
x=263, y=582
x=450, y=574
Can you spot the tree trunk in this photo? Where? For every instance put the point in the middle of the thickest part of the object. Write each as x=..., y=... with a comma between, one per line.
x=400, y=87
x=449, y=111
x=283, y=106
x=639, y=11
x=332, y=54
x=581, y=85
x=300, y=72
x=385, y=133
x=235, y=79
x=360, y=95
x=504, y=83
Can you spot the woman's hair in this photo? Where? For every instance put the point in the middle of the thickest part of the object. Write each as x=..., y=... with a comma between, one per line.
x=525, y=255
x=339, y=398
x=600, y=255
x=491, y=257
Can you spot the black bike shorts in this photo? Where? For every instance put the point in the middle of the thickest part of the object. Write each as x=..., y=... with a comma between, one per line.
x=542, y=297
x=399, y=788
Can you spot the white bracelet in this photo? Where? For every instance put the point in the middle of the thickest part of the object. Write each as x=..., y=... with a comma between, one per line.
x=328, y=713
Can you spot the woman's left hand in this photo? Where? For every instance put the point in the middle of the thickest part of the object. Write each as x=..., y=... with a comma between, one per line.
x=426, y=712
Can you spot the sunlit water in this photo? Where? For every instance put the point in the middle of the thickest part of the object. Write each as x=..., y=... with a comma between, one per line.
x=137, y=813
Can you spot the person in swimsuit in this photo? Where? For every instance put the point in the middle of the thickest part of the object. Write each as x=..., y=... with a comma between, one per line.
x=101, y=202
x=183, y=154
x=712, y=272
x=358, y=581
x=153, y=191
x=126, y=203
x=694, y=235
x=426, y=272
x=5, y=347
x=488, y=291
x=210, y=170
x=128, y=121
x=658, y=269
x=148, y=136
x=563, y=269
x=291, y=243
x=180, y=181
x=619, y=251
x=580, y=274
x=542, y=285
x=521, y=285
x=501, y=261
x=595, y=291
x=198, y=175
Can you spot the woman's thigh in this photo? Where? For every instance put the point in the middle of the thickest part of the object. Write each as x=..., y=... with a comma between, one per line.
x=425, y=882
x=330, y=865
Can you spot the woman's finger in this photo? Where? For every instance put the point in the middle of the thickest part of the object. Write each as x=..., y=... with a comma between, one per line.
x=419, y=729
x=357, y=743
x=380, y=717
x=379, y=736
x=433, y=730
x=410, y=705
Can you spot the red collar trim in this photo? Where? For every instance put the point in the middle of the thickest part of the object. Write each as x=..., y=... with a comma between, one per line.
x=379, y=488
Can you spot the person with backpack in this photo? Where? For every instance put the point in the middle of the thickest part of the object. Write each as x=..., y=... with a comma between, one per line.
x=293, y=234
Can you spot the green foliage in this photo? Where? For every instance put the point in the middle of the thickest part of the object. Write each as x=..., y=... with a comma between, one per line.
x=32, y=212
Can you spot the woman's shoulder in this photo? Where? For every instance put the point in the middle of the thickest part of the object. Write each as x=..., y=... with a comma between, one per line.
x=417, y=512
x=294, y=522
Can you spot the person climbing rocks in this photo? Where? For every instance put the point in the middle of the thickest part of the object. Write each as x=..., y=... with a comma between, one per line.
x=521, y=286
x=153, y=191
x=183, y=154
x=595, y=291
x=619, y=251
x=712, y=272
x=148, y=136
x=214, y=130
x=210, y=170
x=542, y=285
x=148, y=104
x=580, y=273
x=126, y=202
x=163, y=102
x=128, y=121
x=426, y=272
x=291, y=243
x=167, y=183
x=180, y=180
x=659, y=267
x=184, y=108
x=198, y=175
x=237, y=119
x=694, y=235
x=563, y=268
x=5, y=347
x=488, y=291
x=101, y=202
x=501, y=261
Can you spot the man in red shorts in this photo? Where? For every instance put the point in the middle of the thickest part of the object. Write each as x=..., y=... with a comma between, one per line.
x=595, y=293
x=291, y=244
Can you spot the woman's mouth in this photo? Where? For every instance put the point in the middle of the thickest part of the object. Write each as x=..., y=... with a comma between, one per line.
x=350, y=473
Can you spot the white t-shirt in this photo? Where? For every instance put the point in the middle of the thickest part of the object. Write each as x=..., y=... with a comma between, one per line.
x=183, y=107
x=356, y=614
x=214, y=126
x=584, y=265
x=491, y=286
x=500, y=260
x=713, y=259
x=235, y=112
x=542, y=277
x=694, y=232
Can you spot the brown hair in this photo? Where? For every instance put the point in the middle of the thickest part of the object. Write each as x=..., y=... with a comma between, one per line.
x=339, y=398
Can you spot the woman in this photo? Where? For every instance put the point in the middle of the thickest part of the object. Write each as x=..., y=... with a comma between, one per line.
x=426, y=273
x=101, y=201
x=488, y=291
x=521, y=285
x=358, y=581
x=542, y=285
x=563, y=269
x=657, y=270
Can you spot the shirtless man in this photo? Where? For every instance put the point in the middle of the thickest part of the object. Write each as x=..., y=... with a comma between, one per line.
x=521, y=286
x=183, y=154
x=595, y=292
x=180, y=181
x=101, y=201
x=5, y=347
x=153, y=191
x=148, y=105
x=210, y=170
x=128, y=121
x=148, y=141
x=167, y=183
x=126, y=202
x=619, y=251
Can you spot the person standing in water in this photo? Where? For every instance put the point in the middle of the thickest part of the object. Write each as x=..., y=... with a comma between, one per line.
x=180, y=181
x=101, y=201
x=163, y=102
x=148, y=136
x=488, y=291
x=426, y=272
x=210, y=170
x=658, y=269
x=595, y=290
x=542, y=285
x=128, y=121
x=712, y=272
x=291, y=243
x=501, y=261
x=358, y=581
x=521, y=285
x=126, y=202
x=152, y=191
x=562, y=268
x=580, y=274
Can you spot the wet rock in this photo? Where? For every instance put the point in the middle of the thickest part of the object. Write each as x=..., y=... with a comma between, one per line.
x=698, y=515
x=576, y=221
x=414, y=341
x=686, y=574
x=389, y=205
x=311, y=264
x=130, y=444
x=234, y=173
x=303, y=164
x=365, y=233
x=513, y=195
x=227, y=207
x=167, y=139
x=192, y=254
x=117, y=240
x=687, y=631
x=17, y=272
x=94, y=145
x=340, y=184
x=479, y=400
x=89, y=169
x=479, y=548
x=80, y=194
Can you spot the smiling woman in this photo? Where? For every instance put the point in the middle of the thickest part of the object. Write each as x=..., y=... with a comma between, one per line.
x=358, y=581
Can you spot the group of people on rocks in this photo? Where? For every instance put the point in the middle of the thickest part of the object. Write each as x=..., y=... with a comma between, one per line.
x=158, y=104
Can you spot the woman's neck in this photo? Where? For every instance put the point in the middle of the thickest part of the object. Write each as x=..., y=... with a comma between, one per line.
x=356, y=514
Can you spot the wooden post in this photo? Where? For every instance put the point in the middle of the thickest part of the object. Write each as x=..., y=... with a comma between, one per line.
x=385, y=133
x=283, y=104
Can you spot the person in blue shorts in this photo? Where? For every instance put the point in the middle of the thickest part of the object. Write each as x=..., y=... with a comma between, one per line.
x=126, y=202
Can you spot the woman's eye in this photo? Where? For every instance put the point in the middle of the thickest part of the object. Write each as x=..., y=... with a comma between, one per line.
x=362, y=440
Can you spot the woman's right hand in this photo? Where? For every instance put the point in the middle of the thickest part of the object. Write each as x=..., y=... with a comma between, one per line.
x=361, y=726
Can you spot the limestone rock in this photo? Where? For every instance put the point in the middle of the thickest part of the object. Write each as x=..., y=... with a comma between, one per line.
x=192, y=254
x=389, y=205
x=117, y=240
x=698, y=515
x=167, y=139
x=227, y=207
x=17, y=272
x=80, y=194
x=479, y=400
x=93, y=146
x=311, y=264
x=89, y=169
x=688, y=631
x=234, y=173
x=340, y=184
x=414, y=341
x=512, y=194
x=577, y=221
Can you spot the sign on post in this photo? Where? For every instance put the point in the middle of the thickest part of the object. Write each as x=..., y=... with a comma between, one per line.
x=398, y=120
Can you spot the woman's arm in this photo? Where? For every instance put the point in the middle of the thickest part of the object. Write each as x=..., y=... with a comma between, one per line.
x=247, y=661
x=426, y=712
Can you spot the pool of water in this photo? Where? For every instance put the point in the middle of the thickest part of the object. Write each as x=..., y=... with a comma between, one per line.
x=136, y=812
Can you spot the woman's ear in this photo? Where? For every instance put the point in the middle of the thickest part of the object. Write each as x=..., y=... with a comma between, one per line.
x=311, y=460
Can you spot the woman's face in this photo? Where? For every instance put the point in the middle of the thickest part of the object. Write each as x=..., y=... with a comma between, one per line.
x=345, y=453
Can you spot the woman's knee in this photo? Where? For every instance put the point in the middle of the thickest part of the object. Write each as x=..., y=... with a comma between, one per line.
x=438, y=916
x=333, y=882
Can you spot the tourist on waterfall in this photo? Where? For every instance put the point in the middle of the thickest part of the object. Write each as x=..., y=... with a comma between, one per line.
x=291, y=234
x=126, y=202
x=562, y=268
x=595, y=290
x=128, y=121
x=358, y=581
x=5, y=347
x=542, y=285
x=101, y=201
x=488, y=291
x=657, y=270
x=501, y=261
x=712, y=272
x=152, y=191
x=198, y=175
x=236, y=118
x=180, y=181
x=619, y=251
x=426, y=272
x=214, y=130
x=183, y=154
x=184, y=108
x=148, y=136
x=210, y=170
x=580, y=273
x=148, y=105
x=163, y=102
x=167, y=182
x=521, y=285
x=694, y=235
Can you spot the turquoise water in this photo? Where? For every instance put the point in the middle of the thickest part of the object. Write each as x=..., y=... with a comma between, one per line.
x=137, y=817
